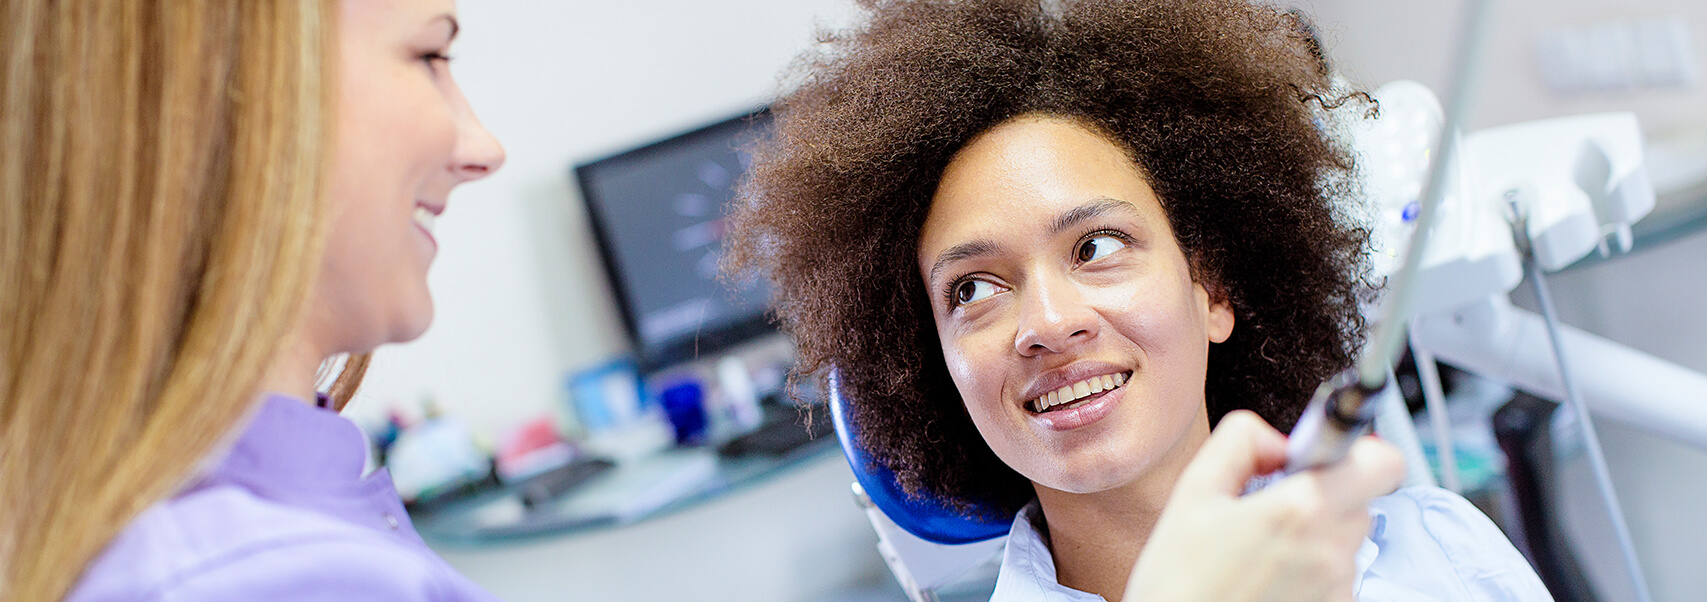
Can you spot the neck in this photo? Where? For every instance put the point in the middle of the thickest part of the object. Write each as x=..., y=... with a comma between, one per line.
x=296, y=371
x=1095, y=538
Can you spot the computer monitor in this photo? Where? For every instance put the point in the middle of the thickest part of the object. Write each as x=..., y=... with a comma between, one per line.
x=658, y=213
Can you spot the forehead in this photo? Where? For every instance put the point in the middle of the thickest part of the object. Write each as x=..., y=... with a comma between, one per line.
x=395, y=14
x=1016, y=178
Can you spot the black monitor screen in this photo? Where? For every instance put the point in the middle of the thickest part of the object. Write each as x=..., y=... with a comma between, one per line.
x=658, y=212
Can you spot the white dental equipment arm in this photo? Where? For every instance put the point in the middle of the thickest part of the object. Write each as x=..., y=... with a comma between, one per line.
x=1500, y=341
x=1540, y=195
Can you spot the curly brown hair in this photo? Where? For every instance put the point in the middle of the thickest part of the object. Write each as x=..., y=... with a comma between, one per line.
x=1219, y=102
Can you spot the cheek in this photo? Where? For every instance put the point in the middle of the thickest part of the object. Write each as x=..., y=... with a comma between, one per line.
x=395, y=125
x=371, y=288
x=369, y=168
x=975, y=361
x=373, y=281
x=1168, y=332
x=366, y=228
x=371, y=204
x=1157, y=309
x=959, y=353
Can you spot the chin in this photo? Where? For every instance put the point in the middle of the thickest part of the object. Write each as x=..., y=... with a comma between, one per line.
x=1091, y=475
x=1122, y=452
x=413, y=326
x=411, y=318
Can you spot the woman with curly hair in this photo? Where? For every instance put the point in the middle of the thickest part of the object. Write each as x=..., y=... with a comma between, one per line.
x=1048, y=245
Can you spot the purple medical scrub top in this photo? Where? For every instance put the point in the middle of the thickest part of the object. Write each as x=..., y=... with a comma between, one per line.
x=285, y=514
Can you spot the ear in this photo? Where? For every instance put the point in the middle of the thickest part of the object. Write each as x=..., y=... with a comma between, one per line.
x=1218, y=317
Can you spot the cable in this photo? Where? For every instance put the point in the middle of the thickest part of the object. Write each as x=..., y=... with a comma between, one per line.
x=1591, y=439
x=1428, y=373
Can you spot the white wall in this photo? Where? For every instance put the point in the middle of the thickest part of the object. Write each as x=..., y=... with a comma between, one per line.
x=520, y=293
x=1376, y=41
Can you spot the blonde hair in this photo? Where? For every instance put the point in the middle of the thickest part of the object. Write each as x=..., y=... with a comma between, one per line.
x=161, y=219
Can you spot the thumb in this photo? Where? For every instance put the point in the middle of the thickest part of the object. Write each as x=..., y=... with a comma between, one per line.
x=1242, y=446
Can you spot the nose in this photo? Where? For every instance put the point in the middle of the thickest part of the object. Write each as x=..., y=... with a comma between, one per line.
x=1053, y=317
x=478, y=152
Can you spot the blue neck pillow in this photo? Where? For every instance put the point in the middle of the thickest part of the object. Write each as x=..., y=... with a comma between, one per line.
x=929, y=518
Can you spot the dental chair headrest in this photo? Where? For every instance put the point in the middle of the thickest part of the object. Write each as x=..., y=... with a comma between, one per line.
x=930, y=518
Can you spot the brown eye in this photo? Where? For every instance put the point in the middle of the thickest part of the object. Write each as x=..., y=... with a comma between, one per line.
x=963, y=293
x=970, y=291
x=1098, y=248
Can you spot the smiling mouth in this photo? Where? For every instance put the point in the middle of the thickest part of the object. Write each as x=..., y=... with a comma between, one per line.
x=1077, y=394
x=423, y=217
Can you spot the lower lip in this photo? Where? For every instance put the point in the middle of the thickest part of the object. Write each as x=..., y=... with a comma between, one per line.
x=1096, y=409
x=433, y=242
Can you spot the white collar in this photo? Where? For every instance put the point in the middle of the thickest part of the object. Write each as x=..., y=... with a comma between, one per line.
x=1028, y=567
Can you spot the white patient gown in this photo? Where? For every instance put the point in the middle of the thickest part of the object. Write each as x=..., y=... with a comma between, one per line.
x=1424, y=543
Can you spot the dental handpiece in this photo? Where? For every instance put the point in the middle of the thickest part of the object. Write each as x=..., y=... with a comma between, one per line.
x=1339, y=413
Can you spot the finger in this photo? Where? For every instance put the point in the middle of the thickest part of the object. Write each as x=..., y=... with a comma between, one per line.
x=1242, y=446
x=1371, y=469
x=1347, y=529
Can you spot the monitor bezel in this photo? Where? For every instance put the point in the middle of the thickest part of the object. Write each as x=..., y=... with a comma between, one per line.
x=652, y=358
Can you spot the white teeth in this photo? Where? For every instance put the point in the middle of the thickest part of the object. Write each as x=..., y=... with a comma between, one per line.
x=1076, y=391
x=424, y=217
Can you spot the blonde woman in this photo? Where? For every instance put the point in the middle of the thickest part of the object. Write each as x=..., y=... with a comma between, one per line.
x=201, y=202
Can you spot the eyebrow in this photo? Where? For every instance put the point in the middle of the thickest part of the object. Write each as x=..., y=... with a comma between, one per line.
x=1098, y=207
x=1083, y=213
x=963, y=251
